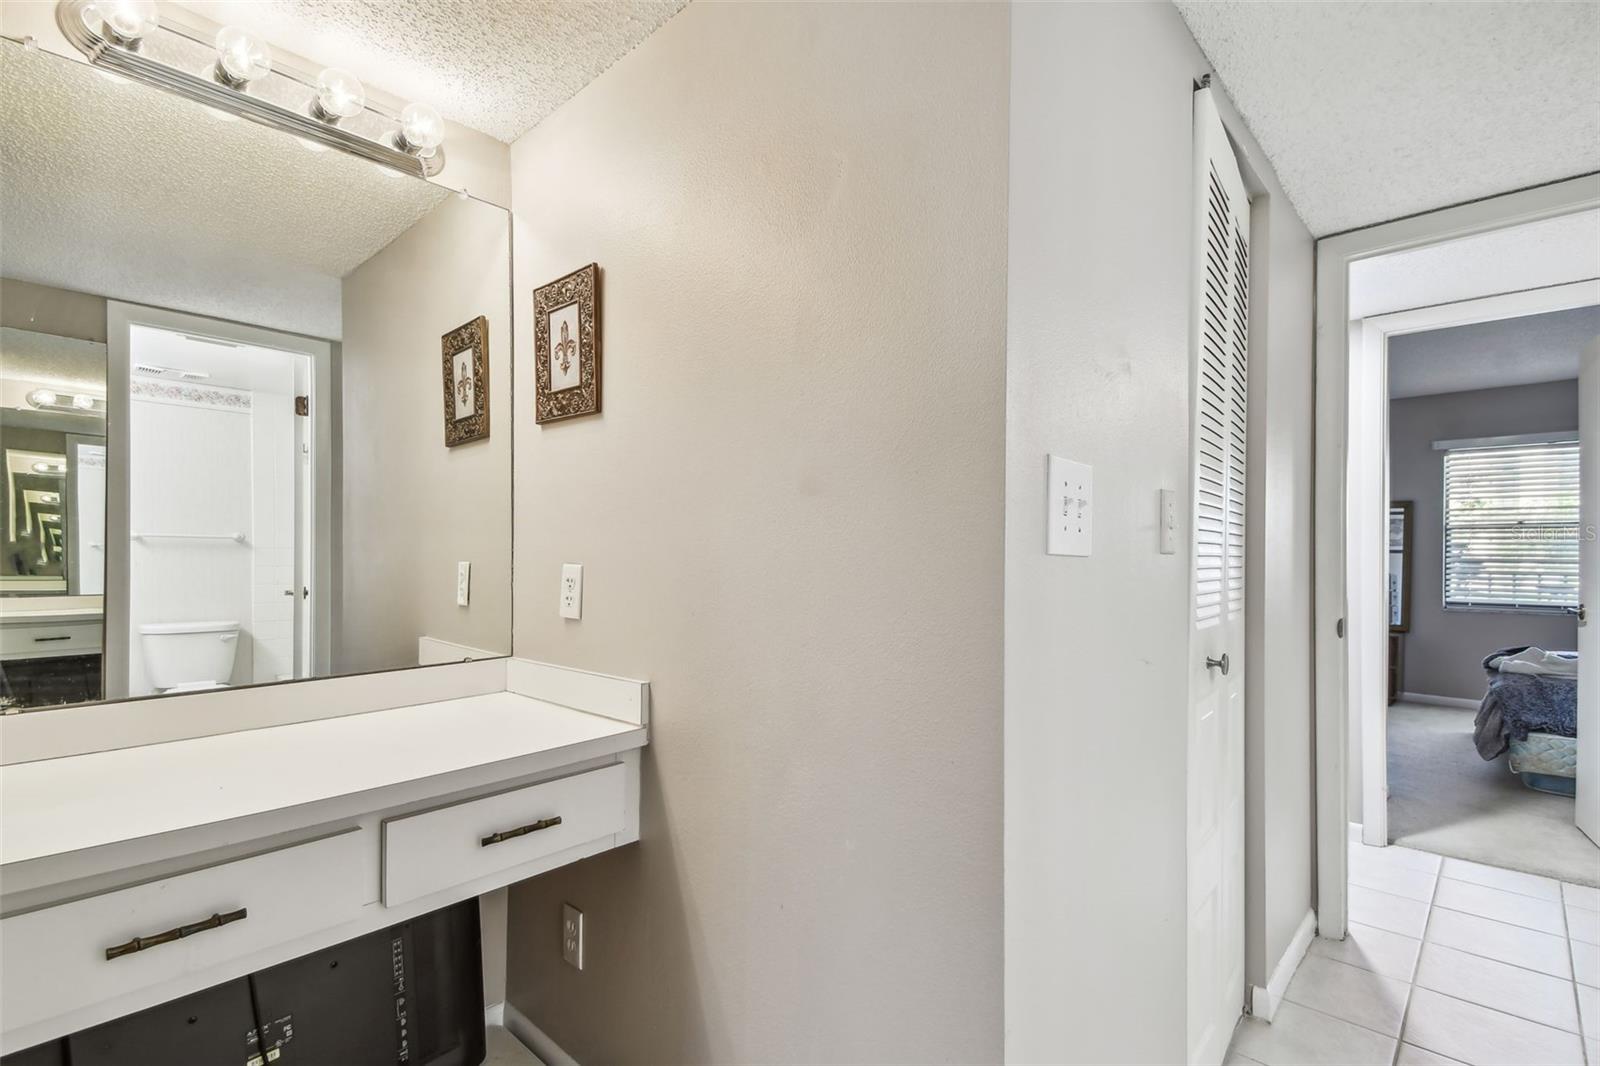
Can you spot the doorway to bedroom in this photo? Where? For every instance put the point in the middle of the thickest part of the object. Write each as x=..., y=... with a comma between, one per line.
x=1466, y=531
x=1482, y=569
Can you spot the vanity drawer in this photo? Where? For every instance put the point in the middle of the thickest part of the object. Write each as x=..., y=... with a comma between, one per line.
x=29, y=640
x=433, y=850
x=55, y=959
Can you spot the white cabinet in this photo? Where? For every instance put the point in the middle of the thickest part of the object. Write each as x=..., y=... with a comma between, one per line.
x=423, y=853
x=57, y=959
x=41, y=639
x=296, y=836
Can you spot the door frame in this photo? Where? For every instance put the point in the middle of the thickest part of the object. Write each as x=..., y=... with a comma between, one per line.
x=1370, y=337
x=1586, y=801
x=1335, y=254
x=121, y=317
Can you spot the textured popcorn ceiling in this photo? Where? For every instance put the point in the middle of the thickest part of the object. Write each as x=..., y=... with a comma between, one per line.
x=124, y=191
x=1372, y=111
x=1490, y=355
x=499, y=66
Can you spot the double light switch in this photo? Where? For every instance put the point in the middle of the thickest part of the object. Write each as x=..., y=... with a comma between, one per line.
x=1070, y=508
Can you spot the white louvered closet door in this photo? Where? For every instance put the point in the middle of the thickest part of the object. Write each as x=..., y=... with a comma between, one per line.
x=1219, y=369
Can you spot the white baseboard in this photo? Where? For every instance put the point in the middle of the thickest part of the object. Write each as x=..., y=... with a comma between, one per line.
x=1264, y=1001
x=1439, y=701
x=534, y=1038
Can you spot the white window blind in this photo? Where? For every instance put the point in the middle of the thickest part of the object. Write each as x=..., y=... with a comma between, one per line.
x=1511, y=526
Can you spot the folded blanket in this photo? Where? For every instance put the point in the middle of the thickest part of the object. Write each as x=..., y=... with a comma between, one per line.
x=1537, y=661
x=1520, y=703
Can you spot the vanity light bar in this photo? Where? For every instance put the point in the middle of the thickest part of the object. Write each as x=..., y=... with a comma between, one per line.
x=392, y=142
x=66, y=402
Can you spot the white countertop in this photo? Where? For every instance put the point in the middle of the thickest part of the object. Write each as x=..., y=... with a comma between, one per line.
x=20, y=615
x=56, y=806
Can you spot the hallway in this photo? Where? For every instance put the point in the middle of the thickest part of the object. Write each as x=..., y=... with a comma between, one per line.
x=1447, y=961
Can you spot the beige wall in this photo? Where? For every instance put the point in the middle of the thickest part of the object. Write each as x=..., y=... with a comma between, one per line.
x=1097, y=365
x=61, y=312
x=1280, y=834
x=1444, y=650
x=411, y=507
x=790, y=520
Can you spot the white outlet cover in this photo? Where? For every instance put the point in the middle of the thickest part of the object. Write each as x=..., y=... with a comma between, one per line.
x=1168, y=519
x=571, y=595
x=463, y=584
x=1069, y=503
x=572, y=935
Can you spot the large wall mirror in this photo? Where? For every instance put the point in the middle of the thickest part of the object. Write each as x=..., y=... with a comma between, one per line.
x=224, y=397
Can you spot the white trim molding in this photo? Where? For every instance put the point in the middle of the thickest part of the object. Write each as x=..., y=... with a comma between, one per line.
x=1439, y=701
x=1264, y=1001
x=534, y=1038
x=1512, y=441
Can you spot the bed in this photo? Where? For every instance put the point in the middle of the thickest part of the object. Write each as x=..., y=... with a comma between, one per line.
x=1530, y=714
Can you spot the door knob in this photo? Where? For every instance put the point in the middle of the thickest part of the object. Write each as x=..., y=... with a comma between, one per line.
x=1218, y=664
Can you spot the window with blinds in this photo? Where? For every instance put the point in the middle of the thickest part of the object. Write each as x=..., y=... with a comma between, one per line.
x=1511, y=526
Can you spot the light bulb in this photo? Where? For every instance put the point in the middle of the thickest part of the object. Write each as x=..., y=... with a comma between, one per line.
x=83, y=403
x=49, y=468
x=339, y=95
x=49, y=497
x=42, y=398
x=126, y=20
x=421, y=129
x=241, y=58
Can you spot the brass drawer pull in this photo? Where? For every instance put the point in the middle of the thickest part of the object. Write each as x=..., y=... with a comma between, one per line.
x=139, y=943
x=519, y=831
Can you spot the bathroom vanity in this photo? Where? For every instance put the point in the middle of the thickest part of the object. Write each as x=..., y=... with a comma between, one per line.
x=238, y=505
x=159, y=858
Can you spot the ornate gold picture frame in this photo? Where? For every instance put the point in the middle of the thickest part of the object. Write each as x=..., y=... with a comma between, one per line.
x=566, y=346
x=466, y=382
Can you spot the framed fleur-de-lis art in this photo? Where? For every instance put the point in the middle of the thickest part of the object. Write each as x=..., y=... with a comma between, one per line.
x=566, y=346
x=466, y=382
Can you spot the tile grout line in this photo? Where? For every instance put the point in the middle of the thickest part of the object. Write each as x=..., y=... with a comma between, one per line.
x=1340, y=1018
x=1416, y=968
x=1577, y=1004
x=1559, y=900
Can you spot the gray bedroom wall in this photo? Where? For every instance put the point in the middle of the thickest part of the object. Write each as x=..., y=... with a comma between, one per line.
x=1445, y=649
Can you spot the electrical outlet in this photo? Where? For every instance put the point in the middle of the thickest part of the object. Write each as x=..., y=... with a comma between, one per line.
x=572, y=936
x=463, y=584
x=571, y=590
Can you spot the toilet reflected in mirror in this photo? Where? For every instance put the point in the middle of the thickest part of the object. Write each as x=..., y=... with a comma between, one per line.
x=188, y=656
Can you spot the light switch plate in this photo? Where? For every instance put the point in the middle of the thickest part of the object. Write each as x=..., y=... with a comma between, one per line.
x=463, y=584
x=1169, y=522
x=571, y=590
x=572, y=936
x=1070, y=508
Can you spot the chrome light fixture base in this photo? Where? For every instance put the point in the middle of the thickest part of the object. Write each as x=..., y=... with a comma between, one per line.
x=289, y=107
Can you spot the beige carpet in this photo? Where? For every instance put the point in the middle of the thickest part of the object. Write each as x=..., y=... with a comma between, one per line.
x=1443, y=798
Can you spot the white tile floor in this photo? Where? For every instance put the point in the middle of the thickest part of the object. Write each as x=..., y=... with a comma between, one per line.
x=1446, y=962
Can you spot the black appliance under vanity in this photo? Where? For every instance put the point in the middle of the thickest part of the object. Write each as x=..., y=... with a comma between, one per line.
x=411, y=994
